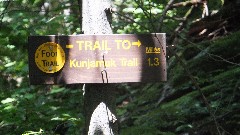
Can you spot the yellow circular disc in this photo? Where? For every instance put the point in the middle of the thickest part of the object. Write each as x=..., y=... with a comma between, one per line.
x=50, y=57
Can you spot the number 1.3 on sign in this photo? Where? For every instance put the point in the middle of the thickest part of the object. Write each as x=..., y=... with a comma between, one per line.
x=153, y=62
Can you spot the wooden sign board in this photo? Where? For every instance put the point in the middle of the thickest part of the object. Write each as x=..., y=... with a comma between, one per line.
x=112, y=58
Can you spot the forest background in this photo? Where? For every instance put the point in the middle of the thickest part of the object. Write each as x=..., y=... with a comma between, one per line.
x=201, y=95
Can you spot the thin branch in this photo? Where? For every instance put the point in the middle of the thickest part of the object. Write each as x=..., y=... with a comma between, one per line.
x=236, y=87
x=4, y=12
x=160, y=23
x=224, y=116
x=213, y=56
x=130, y=19
x=175, y=18
x=219, y=58
x=181, y=24
x=194, y=81
x=148, y=15
x=188, y=3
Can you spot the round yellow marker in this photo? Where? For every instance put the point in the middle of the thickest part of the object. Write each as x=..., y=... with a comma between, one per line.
x=50, y=57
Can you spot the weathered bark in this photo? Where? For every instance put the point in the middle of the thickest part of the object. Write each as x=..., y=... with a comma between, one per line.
x=99, y=99
x=99, y=104
x=95, y=18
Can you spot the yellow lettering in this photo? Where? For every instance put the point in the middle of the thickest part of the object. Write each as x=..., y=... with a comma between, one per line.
x=96, y=46
x=72, y=63
x=153, y=62
x=91, y=63
x=126, y=44
x=88, y=45
x=80, y=44
x=149, y=49
x=153, y=50
x=157, y=49
x=99, y=63
x=106, y=46
x=84, y=63
x=129, y=62
x=118, y=43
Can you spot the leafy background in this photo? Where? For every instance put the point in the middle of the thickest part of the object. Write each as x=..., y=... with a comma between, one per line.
x=205, y=51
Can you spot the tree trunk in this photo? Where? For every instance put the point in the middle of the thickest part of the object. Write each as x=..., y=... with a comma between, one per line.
x=99, y=99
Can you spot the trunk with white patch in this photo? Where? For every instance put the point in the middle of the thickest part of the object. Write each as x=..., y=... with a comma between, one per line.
x=99, y=99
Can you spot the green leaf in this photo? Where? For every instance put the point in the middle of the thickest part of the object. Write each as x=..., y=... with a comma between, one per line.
x=8, y=100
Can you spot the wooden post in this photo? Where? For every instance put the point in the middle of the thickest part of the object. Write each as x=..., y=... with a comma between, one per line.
x=99, y=99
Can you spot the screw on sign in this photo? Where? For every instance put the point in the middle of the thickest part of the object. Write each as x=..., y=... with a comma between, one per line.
x=50, y=57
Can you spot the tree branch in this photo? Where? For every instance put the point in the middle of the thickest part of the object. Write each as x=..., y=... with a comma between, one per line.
x=188, y=3
x=130, y=19
x=4, y=12
x=194, y=81
x=160, y=22
x=149, y=16
x=181, y=25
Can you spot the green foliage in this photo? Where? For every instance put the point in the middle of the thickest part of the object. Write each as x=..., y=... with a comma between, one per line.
x=147, y=130
x=183, y=110
x=34, y=133
x=25, y=109
x=136, y=16
x=46, y=110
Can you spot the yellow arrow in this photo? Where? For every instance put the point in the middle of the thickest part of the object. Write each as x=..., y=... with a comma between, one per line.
x=69, y=46
x=138, y=43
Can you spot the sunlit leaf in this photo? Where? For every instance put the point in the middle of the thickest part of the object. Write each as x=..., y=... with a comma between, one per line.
x=8, y=100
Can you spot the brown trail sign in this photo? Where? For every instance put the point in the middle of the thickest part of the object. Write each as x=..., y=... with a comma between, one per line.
x=111, y=58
